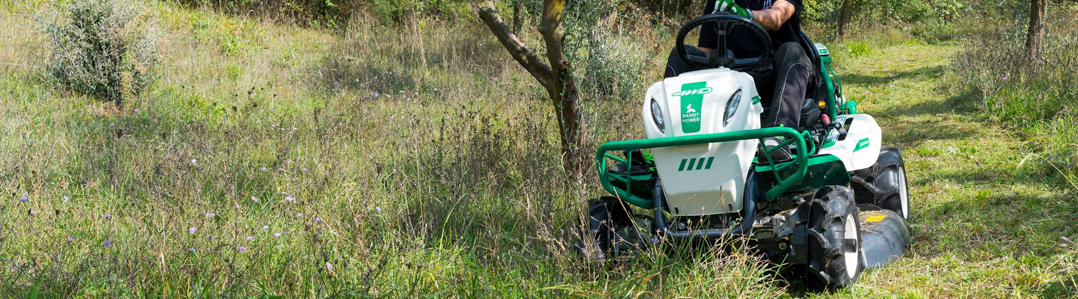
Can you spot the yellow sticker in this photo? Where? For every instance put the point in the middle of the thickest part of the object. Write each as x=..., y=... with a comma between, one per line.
x=875, y=218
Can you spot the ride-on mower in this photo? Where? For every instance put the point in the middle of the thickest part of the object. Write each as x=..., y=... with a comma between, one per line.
x=836, y=205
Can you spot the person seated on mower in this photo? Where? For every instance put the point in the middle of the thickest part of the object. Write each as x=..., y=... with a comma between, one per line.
x=782, y=82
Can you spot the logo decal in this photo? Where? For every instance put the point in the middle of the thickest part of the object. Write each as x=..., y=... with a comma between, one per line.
x=692, y=97
x=688, y=92
x=755, y=100
x=861, y=144
x=695, y=164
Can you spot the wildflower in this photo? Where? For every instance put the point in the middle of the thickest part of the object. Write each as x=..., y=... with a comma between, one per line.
x=254, y=199
x=32, y=212
x=71, y=238
x=211, y=215
x=317, y=219
x=299, y=214
x=319, y=73
x=277, y=235
x=329, y=266
x=303, y=170
x=249, y=238
x=654, y=240
x=1004, y=78
x=107, y=215
x=107, y=243
x=23, y=199
x=191, y=249
x=435, y=89
x=193, y=161
x=241, y=249
x=192, y=230
x=377, y=209
x=289, y=198
x=265, y=227
x=263, y=169
x=65, y=197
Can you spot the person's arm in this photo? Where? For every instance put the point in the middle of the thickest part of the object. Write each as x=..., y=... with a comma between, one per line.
x=771, y=19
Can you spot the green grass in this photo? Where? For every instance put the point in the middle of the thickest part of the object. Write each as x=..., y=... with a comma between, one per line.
x=449, y=186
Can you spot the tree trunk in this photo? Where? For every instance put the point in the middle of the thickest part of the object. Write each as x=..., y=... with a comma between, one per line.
x=844, y=15
x=516, y=16
x=1037, y=10
x=556, y=77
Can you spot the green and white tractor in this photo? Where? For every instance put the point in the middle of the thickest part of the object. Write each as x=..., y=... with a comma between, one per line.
x=839, y=206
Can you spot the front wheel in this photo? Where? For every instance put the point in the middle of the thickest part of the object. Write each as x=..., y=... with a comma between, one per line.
x=834, y=238
x=884, y=184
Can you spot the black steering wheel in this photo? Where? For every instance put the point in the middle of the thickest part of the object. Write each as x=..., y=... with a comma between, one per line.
x=722, y=23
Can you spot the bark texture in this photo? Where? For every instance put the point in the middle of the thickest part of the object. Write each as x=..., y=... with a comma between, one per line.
x=1037, y=11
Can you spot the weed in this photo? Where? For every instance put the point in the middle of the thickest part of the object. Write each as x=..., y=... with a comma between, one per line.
x=99, y=48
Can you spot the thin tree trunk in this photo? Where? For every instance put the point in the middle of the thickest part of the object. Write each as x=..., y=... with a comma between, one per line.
x=516, y=16
x=1037, y=10
x=556, y=77
x=844, y=15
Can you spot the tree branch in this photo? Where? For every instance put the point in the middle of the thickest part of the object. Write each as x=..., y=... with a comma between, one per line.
x=554, y=37
x=517, y=49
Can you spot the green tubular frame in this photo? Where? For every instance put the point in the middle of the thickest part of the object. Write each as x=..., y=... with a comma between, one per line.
x=783, y=184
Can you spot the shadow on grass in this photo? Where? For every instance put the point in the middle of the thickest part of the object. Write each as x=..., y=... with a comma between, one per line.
x=870, y=80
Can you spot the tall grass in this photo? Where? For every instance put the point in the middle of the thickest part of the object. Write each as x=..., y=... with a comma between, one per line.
x=1040, y=97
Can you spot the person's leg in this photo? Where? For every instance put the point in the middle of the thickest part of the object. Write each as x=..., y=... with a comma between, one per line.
x=793, y=72
x=675, y=65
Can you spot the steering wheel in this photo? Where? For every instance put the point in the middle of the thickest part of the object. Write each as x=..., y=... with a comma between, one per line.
x=722, y=23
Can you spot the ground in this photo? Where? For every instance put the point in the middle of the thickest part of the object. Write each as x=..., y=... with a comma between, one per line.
x=270, y=159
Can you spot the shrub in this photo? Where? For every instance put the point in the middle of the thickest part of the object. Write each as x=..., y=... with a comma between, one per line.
x=98, y=49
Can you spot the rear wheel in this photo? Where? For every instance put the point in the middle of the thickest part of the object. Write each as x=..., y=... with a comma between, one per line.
x=884, y=184
x=610, y=227
x=834, y=238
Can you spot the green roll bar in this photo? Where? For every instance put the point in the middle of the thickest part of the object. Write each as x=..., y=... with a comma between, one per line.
x=792, y=137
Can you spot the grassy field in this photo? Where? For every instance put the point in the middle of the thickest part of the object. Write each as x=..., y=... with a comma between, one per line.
x=420, y=161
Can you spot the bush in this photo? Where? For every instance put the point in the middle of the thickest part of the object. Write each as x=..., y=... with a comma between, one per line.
x=98, y=49
x=609, y=63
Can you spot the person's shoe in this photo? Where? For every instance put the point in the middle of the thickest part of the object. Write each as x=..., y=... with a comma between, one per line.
x=778, y=155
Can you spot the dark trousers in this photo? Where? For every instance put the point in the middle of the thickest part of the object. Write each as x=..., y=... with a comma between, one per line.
x=786, y=77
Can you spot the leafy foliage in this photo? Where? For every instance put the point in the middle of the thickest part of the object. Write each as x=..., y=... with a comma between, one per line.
x=98, y=49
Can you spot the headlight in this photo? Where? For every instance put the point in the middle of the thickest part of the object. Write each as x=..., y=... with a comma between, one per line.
x=657, y=116
x=731, y=107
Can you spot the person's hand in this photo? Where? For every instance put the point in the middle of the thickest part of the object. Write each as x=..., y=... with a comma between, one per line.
x=731, y=7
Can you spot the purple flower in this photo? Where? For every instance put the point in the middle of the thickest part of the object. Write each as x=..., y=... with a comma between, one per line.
x=654, y=240
x=265, y=227
x=303, y=170
x=289, y=198
x=23, y=199
x=191, y=249
x=193, y=161
x=263, y=169
x=435, y=89
x=329, y=266
x=254, y=199
x=317, y=219
x=211, y=215
x=65, y=197
x=241, y=249
x=277, y=235
x=192, y=230
x=32, y=212
x=299, y=214
x=107, y=215
x=71, y=238
x=249, y=238
x=1004, y=78
x=107, y=243
x=377, y=209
